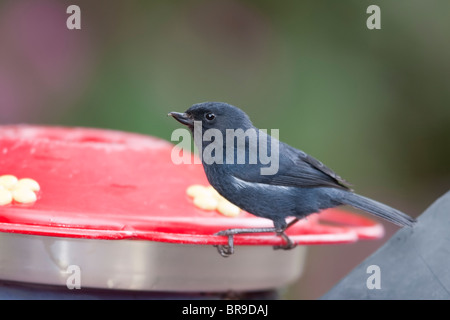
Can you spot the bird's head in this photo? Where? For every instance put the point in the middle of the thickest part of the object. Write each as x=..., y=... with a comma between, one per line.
x=214, y=115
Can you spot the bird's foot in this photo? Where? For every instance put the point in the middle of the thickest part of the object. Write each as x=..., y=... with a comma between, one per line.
x=226, y=250
x=289, y=243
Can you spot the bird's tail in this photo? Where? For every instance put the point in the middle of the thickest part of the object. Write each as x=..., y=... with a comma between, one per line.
x=378, y=209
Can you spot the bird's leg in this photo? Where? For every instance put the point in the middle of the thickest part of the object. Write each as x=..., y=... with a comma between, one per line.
x=289, y=243
x=228, y=250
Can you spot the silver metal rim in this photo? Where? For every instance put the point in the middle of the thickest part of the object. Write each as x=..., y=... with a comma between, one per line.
x=144, y=265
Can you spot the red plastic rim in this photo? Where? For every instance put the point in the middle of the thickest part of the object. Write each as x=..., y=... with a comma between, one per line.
x=103, y=184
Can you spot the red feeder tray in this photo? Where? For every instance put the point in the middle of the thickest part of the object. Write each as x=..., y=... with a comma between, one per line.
x=109, y=185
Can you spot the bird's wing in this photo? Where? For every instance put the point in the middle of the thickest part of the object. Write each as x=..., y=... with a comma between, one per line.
x=331, y=176
x=296, y=169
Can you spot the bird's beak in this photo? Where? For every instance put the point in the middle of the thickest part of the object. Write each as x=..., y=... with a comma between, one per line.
x=182, y=118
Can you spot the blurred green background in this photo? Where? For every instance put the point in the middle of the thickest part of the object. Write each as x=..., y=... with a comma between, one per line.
x=374, y=105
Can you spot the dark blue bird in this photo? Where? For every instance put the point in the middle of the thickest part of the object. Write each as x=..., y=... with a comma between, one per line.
x=300, y=186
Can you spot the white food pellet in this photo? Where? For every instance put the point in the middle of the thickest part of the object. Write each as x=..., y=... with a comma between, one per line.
x=195, y=190
x=205, y=203
x=8, y=181
x=213, y=192
x=28, y=184
x=207, y=198
x=5, y=197
x=228, y=209
x=24, y=195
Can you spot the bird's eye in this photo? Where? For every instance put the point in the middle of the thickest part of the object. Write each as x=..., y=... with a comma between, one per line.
x=210, y=116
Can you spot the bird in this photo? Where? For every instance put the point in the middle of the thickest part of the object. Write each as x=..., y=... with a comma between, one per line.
x=300, y=186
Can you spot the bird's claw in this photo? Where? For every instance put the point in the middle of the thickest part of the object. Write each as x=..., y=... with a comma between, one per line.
x=222, y=233
x=225, y=250
x=288, y=245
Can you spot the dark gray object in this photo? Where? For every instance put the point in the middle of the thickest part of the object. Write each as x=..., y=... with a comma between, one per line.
x=413, y=264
